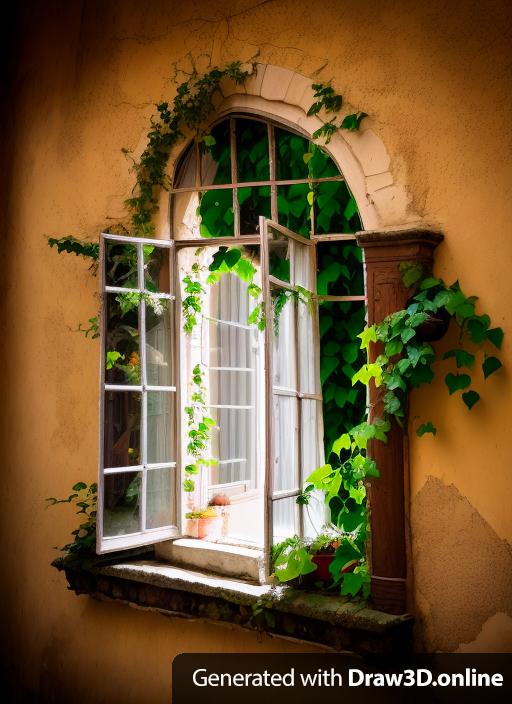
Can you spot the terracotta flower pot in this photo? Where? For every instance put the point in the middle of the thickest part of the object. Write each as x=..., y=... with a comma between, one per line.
x=192, y=527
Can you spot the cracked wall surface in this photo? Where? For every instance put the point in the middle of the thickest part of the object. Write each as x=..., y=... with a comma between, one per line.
x=83, y=79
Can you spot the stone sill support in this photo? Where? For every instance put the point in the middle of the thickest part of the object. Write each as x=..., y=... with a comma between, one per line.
x=307, y=616
x=383, y=253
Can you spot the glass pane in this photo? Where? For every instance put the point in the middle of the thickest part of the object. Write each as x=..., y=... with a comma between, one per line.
x=294, y=208
x=156, y=269
x=216, y=213
x=286, y=440
x=231, y=388
x=121, y=510
x=284, y=344
x=231, y=346
x=216, y=158
x=122, y=429
x=159, y=347
x=335, y=209
x=185, y=220
x=303, y=266
x=253, y=202
x=311, y=436
x=340, y=269
x=279, y=257
x=252, y=151
x=121, y=265
x=290, y=152
x=186, y=170
x=228, y=299
x=160, y=497
x=309, y=381
x=122, y=360
x=344, y=405
x=285, y=519
x=315, y=514
x=234, y=438
x=321, y=165
x=161, y=445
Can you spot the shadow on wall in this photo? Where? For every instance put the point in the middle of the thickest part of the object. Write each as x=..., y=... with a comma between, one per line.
x=463, y=567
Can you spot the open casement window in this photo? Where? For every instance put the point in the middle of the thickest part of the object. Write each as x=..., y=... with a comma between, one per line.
x=199, y=401
x=138, y=501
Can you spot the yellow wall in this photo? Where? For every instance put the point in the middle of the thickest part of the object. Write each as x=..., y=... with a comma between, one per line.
x=435, y=80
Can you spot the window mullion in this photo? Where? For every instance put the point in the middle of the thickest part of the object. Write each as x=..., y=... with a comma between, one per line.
x=234, y=177
x=144, y=410
x=272, y=171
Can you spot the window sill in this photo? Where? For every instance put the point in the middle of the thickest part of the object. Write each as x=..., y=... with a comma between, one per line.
x=313, y=617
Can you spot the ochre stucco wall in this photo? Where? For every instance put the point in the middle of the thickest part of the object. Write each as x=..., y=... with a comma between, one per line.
x=436, y=82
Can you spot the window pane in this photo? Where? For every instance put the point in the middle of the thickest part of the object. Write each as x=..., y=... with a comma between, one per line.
x=335, y=209
x=231, y=388
x=308, y=352
x=344, y=405
x=253, y=202
x=312, y=436
x=290, y=151
x=303, y=266
x=230, y=345
x=340, y=269
x=160, y=435
x=121, y=500
x=294, y=209
x=321, y=164
x=234, y=438
x=156, y=269
x=228, y=299
x=284, y=344
x=279, y=257
x=185, y=220
x=121, y=265
x=285, y=519
x=252, y=151
x=160, y=497
x=216, y=213
x=186, y=172
x=316, y=514
x=285, y=448
x=216, y=158
x=122, y=360
x=122, y=429
x=159, y=347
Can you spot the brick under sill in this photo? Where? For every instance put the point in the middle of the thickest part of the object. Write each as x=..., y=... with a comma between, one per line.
x=313, y=617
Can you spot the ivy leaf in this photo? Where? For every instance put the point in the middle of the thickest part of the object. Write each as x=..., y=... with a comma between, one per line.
x=456, y=382
x=79, y=486
x=352, y=584
x=368, y=335
x=327, y=366
x=411, y=273
x=342, y=443
x=477, y=328
x=353, y=122
x=232, y=256
x=495, y=335
x=470, y=398
x=490, y=365
x=462, y=358
x=244, y=269
x=407, y=334
x=393, y=347
x=426, y=428
x=319, y=475
x=429, y=282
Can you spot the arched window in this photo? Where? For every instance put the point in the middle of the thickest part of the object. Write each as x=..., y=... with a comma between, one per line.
x=235, y=330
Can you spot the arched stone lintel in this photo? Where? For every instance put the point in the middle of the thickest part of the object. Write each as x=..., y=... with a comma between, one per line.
x=283, y=95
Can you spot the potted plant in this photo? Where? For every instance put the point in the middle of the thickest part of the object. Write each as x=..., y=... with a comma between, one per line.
x=205, y=524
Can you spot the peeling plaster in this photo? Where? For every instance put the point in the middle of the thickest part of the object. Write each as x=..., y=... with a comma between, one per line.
x=462, y=568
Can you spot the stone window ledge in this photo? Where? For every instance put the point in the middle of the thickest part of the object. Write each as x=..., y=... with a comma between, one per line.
x=293, y=613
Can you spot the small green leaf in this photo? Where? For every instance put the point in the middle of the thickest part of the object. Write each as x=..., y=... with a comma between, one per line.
x=462, y=358
x=426, y=428
x=368, y=335
x=393, y=347
x=470, y=398
x=456, y=382
x=495, y=335
x=353, y=122
x=411, y=273
x=342, y=443
x=490, y=365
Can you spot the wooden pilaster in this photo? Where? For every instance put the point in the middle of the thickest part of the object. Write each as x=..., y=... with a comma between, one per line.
x=383, y=252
